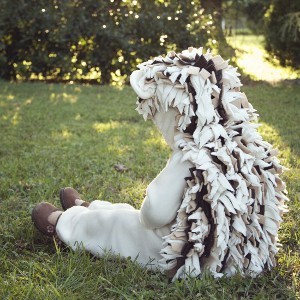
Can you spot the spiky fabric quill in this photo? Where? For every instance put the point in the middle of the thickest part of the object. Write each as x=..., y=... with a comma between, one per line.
x=232, y=206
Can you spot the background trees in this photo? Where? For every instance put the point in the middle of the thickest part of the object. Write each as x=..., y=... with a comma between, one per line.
x=97, y=40
x=282, y=31
x=279, y=22
x=80, y=39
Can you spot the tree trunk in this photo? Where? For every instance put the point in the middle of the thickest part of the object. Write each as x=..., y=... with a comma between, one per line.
x=214, y=7
x=11, y=54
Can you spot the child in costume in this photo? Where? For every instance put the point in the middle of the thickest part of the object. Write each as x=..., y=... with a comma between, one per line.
x=217, y=204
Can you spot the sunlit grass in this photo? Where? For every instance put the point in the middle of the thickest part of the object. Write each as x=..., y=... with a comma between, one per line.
x=254, y=61
x=101, y=127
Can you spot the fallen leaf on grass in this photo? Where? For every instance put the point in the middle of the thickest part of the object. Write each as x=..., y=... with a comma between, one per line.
x=120, y=167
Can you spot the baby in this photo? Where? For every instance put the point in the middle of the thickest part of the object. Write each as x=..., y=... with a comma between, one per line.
x=218, y=202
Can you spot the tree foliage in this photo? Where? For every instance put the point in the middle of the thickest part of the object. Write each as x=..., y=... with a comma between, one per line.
x=80, y=39
x=254, y=11
x=279, y=22
x=282, y=31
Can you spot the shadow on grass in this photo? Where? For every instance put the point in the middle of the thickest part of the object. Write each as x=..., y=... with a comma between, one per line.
x=279, y=107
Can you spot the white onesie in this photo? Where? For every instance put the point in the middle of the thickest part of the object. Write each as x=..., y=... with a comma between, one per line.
x=126, y=231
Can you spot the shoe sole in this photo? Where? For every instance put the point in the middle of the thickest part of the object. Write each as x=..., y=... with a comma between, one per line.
x=61, y=197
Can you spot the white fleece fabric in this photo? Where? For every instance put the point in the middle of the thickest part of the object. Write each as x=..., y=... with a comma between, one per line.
x=232, y=206
x=217, y=205
x=123, y=230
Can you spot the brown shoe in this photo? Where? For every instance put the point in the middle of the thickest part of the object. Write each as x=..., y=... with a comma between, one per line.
x=40, y=218
x=68, y=197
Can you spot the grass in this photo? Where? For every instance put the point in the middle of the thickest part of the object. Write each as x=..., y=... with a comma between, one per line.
x=56, y=135
x=69, y=135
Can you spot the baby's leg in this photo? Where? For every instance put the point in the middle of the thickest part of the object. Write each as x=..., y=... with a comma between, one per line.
x=100, y=204
x=106, y=229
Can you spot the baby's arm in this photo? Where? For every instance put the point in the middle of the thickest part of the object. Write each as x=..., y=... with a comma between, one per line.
x=164, y=193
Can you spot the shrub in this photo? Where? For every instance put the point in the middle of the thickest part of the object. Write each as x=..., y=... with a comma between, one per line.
x=282, y=31
x=84, y=39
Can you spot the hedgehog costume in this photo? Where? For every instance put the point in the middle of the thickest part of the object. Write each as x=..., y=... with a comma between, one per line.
x=217, y=205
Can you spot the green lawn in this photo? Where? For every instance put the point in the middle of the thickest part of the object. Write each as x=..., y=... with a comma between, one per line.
x=72, y=135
